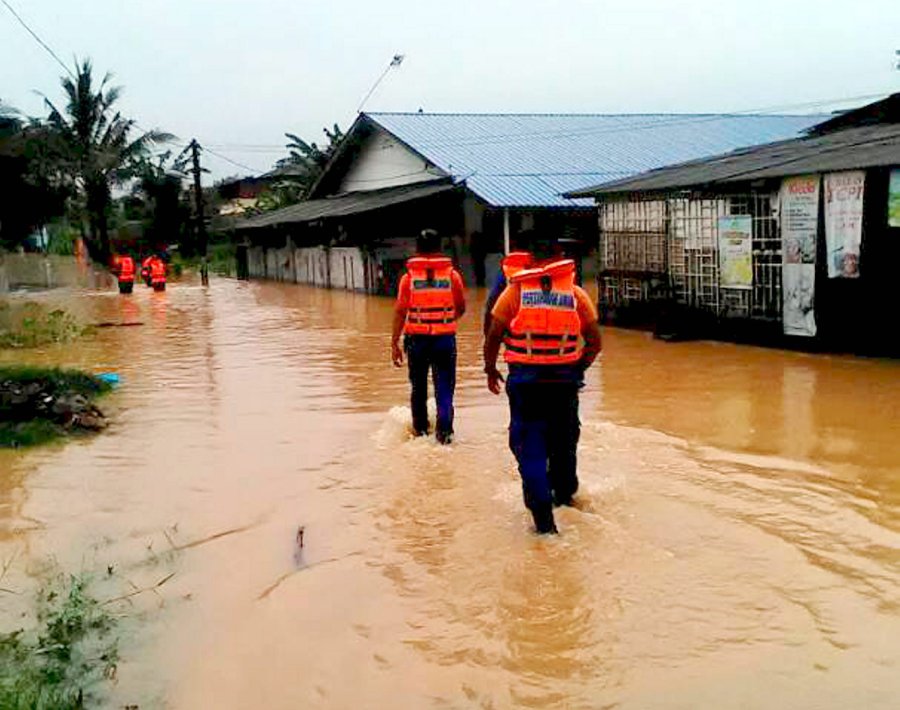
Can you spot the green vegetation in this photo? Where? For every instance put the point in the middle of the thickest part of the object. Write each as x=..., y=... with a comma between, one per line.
x=38, y=405
x=62, y=238
x=95, y=146
x=30, y=325
x=220, y=258
x=63, y=660
x=68, y=162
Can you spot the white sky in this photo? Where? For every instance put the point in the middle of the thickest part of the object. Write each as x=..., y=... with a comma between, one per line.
x=240, y=72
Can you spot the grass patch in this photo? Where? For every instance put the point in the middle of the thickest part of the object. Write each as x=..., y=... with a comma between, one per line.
x=38, y=405
x=30, y=325
x=61, y=662
x=57, y=378
x=22, y=434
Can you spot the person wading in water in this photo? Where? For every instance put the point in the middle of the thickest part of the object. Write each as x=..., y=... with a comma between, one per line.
x=430, y=300
x=549, y=328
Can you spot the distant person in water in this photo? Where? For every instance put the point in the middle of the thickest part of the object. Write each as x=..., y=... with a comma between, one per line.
x=158, y=274
x=125, y=273
x=548, y=327
x=430, y=301
x=145, y=269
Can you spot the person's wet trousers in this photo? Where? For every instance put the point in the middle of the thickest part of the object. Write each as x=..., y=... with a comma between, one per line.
x=543, y=435
x=438, y=354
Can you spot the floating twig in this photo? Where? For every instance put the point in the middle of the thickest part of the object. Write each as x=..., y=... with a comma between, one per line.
x=152, y=588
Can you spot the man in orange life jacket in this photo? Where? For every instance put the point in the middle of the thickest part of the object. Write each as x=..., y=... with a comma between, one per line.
x=158, y=274
x=430, y=301
x=551, y=336
x=125, y=265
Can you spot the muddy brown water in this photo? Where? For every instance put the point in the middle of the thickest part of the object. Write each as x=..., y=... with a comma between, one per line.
x=737, y=545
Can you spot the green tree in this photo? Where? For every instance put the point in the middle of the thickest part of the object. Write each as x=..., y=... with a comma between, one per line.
x=294, y=176
x=309, y=155
x=96, y=146
x=33, y=189
x=165, y=215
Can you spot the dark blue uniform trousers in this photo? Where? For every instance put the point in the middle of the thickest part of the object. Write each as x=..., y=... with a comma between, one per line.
x=543, y=434
x=438, y=354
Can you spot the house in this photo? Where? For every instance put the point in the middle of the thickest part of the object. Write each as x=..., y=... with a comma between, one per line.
x=241, y=194
x=794, y=241
x=477, y=178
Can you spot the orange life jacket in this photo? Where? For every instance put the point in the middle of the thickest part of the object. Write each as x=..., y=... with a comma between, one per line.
x=547, y=329
x=126, y=269
x=158, y=271
x=432, y=310
x=514, y=262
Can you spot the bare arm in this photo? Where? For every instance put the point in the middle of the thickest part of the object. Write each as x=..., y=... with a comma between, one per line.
x=459, y=295
x=488, y=307
x=592, y=345
x=492, y=342
x=396, y=332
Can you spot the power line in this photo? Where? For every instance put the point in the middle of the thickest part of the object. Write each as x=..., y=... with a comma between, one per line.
x=233, y=162
x=38, y=39
x=59, y=61
x=497, y=139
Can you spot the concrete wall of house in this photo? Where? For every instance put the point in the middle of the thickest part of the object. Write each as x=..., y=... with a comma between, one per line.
x=39, y=271
x=348, y=268
x=339, y=267
x=383, y=161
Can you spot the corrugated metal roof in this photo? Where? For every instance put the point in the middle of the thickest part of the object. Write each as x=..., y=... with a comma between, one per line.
x=346, y=204
x=529, y=160
x=849, y=149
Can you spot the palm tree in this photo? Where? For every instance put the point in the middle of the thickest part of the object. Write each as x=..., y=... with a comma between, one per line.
x=96, y=145
x=306, y=161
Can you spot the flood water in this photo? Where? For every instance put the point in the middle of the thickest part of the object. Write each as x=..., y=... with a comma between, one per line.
x=738, y=544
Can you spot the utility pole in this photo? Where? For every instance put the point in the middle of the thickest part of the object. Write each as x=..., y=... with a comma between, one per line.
x=201, y=221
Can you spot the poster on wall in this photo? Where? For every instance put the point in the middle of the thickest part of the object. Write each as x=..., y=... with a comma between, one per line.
x=799, y=219
x=798, y=288
x=843, y=222
x=894, y=199
x=735, y=252
x=799, y=200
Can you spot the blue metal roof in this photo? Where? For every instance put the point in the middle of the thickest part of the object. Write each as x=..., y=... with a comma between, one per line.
x=528, y=160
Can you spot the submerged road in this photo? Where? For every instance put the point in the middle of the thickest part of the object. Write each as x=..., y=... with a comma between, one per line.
x=738, y=544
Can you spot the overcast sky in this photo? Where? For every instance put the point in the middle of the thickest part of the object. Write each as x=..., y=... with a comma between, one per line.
x=236, y=73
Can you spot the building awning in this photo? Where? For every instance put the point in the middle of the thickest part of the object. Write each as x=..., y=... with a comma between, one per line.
x=346, y=204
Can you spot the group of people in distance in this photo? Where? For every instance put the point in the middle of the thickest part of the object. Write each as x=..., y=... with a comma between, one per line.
x=548, y=328
x=153, y=272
